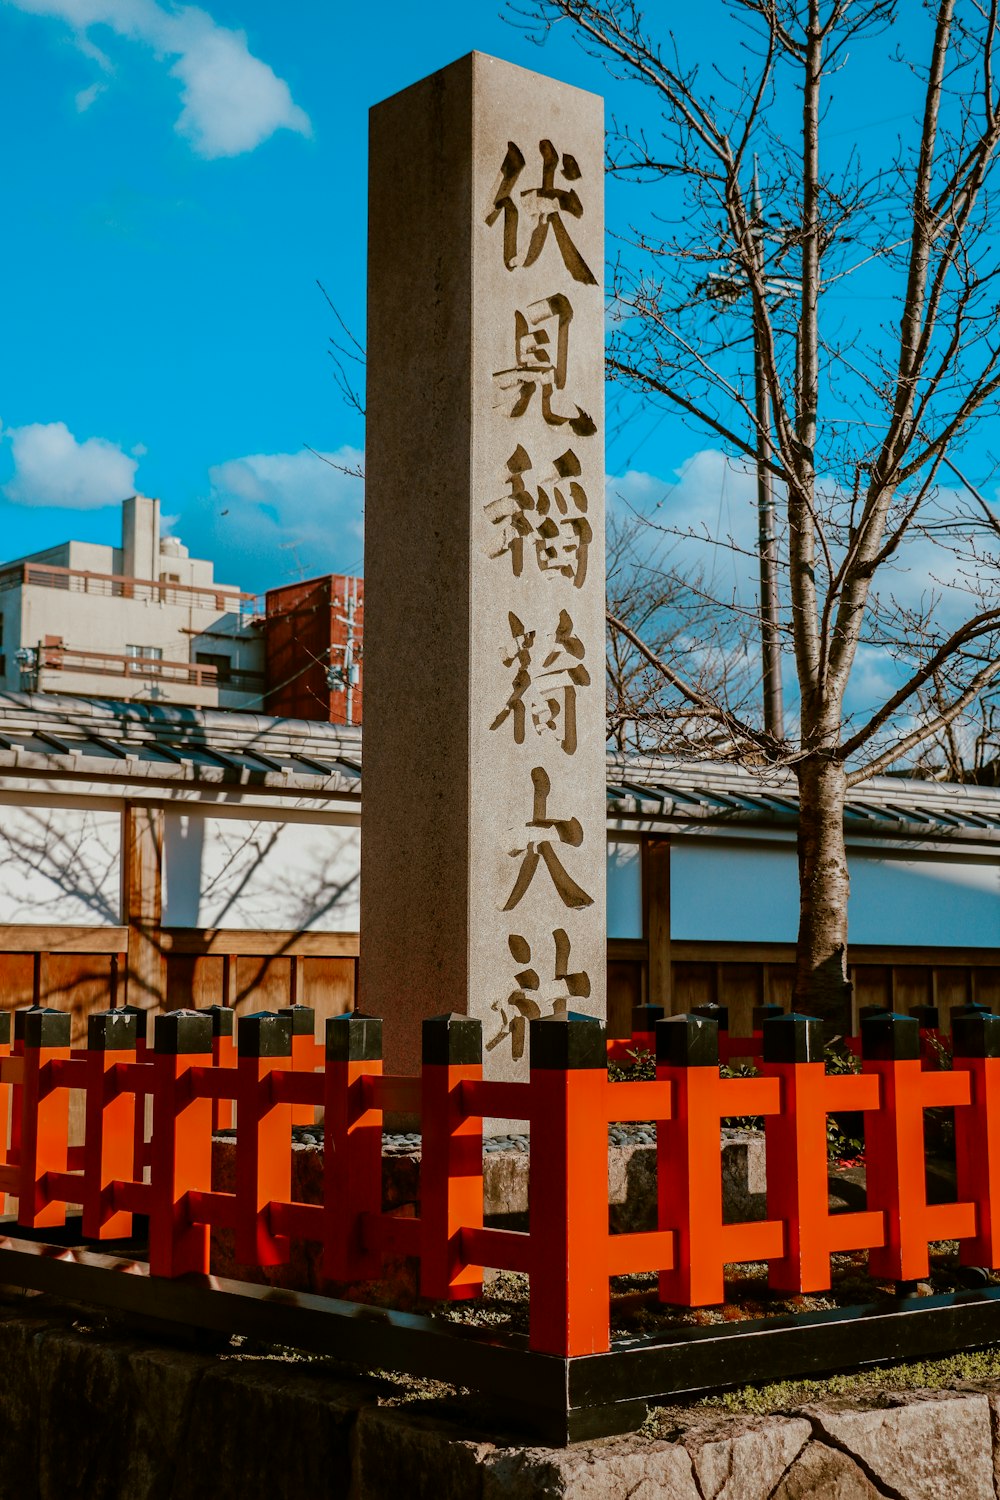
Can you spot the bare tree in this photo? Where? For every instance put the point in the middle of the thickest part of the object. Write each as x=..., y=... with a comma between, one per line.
x=867, y=299
x=966, y=748
x=673, y=614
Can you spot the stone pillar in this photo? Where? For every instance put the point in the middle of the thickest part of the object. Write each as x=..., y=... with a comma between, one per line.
x=483, y=878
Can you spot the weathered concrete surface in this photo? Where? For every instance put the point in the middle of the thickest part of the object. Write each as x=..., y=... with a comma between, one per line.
x=943, y=1446
x=738, y=1465
x=484, y=559
x=826, y=1472
x=91, y=1408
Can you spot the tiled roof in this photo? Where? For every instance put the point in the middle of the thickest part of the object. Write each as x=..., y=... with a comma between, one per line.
x=156, y=743
x=670, y=792
x=153, y=742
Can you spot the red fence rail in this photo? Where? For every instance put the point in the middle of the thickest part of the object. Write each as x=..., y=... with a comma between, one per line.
x=276, y=1072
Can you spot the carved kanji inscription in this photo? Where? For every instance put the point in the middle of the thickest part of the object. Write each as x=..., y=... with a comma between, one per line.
x=541, y=852
x=541, y=364
x=543, y=210
x=547, y=675
x=547, y=524
x=534, y=996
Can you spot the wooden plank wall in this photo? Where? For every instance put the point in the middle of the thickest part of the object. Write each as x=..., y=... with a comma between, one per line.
x=721, y=974
x=72, y=969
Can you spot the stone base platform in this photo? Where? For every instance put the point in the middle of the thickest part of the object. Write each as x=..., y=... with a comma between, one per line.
x=101, y=1409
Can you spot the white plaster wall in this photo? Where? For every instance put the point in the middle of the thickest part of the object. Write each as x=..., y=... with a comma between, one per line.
x=60, y=865
x=624, y=888
x=726, y=894
x=267, y=874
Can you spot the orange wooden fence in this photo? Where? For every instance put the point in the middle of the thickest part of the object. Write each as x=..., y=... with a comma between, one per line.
x=274, y=1070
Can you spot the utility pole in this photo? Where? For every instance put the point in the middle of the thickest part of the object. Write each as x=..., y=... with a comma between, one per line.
x=348, y=673
x=770, y=636
x=729, y=287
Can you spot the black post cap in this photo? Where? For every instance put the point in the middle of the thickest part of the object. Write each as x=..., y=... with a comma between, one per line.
x=19, y=1020
x=793, y=1039
x=571, y=1041
x=303, y=1019
x=645, y=1017
x=452, y=1040
x=713, y=1012
x=46, y=1028
x=183, y=1033
x=223, y=1017
x=141, y=1019
x=927, y=1017
x=5, y=1028
x=264, y=1034
x=354, y=1037
x=972, y=1009
x=690, y=1041
x=873, y=1010
x=889, y=1037
x=112, y=1031
x=975, y=1035
x=762, y=1013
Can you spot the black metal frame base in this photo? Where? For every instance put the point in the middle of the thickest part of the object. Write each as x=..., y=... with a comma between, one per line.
x=558, y=1401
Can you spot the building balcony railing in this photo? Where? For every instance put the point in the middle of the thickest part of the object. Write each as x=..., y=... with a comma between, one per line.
x=120, y=586
x=149, y=668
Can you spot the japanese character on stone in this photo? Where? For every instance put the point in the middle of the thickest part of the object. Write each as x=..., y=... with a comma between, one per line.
x=544, y=208
x=543, y=693
x=541, y=361
x=568, y=831
x=525, y=1003
x=550, y=521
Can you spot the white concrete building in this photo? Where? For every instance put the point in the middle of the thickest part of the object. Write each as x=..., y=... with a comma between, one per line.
x=141, y=621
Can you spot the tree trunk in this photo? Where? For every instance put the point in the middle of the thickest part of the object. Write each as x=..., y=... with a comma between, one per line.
x=821, y=987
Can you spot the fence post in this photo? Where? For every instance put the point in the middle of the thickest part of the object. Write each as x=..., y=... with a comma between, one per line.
x=644, y=1019
x=451, y=1163
x=928, y=1018
x=263, y=1137
x=688, y=1172
x=6, y=1030
x=712, y=1011
x=894, y=1143
x=17, y=1089
x=223, y=1056
x=352, y=1170
x=141, y=1052
x=109, y=1139
x=303, y=1019
x=976, y=1046
x=181, y=1154
x=44, y=1116
x=798, y=1192
x=568, y=1186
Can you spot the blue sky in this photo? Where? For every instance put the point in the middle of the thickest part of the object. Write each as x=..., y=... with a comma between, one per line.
x=176, y=181
x=170, y=205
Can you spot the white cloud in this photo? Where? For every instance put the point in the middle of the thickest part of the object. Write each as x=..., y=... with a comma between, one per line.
x=715, y=500
x=86, y=97
x=231, y=100
x=273, y=517
x=52, y=468
x=703, y=519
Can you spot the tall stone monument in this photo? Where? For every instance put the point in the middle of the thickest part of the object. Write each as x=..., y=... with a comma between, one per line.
x=483, y=870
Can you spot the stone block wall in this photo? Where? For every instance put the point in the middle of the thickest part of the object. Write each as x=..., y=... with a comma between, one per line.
x=93, y=1408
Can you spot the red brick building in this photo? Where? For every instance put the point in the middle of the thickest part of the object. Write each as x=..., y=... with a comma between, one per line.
x=313, y=644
